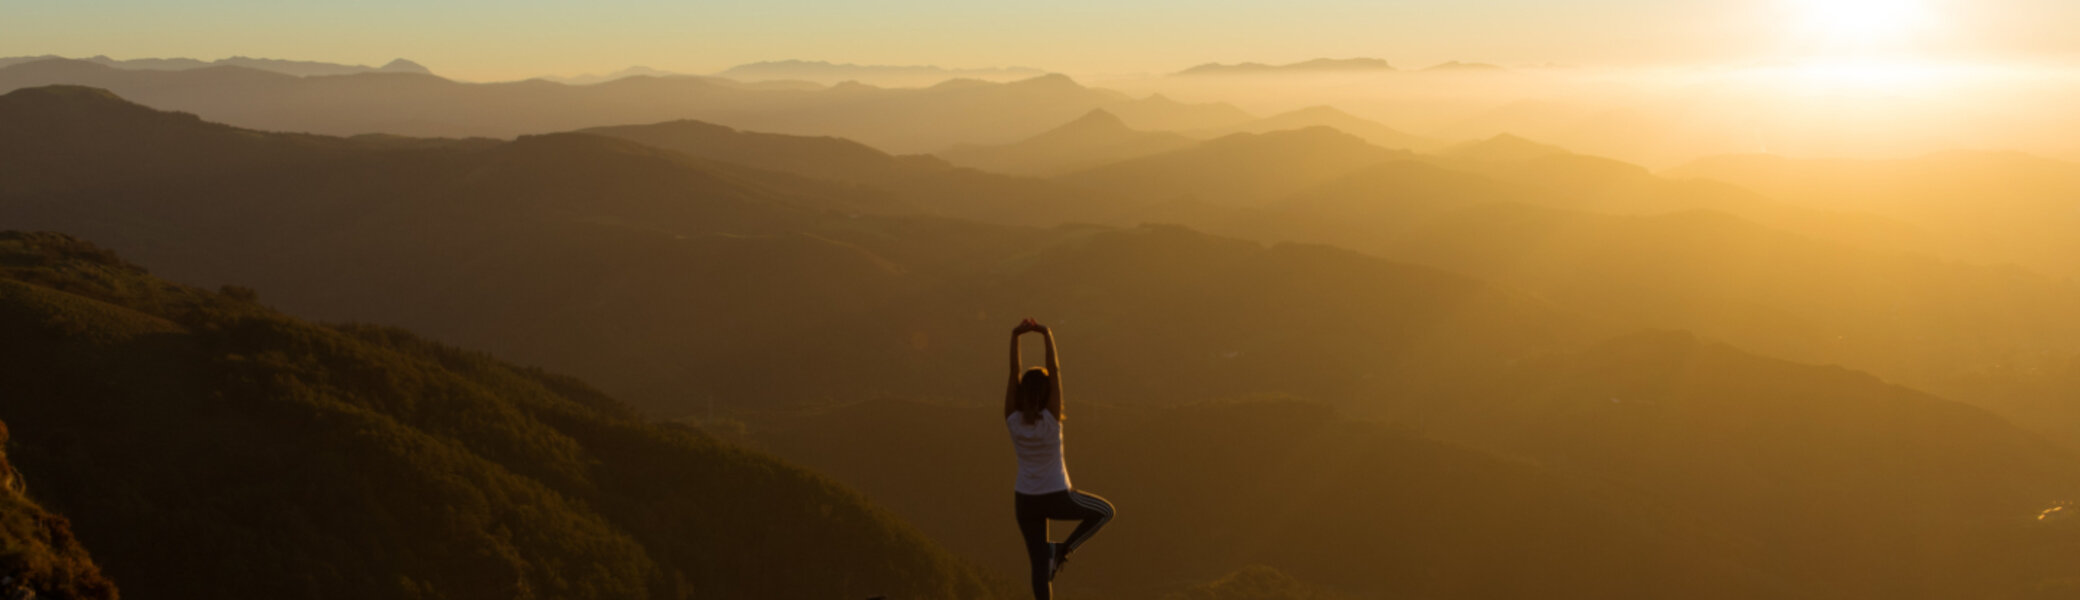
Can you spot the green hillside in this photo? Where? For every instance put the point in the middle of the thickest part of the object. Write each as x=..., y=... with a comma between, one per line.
x=296, y=460
x=38, y=553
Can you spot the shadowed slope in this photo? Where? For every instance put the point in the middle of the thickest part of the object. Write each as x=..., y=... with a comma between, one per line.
x=37, y=550
x=1207, y=489
x=1654, y=465
x=1865, y=488
x=305, y=461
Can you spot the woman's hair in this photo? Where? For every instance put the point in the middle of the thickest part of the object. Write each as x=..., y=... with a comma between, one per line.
x=1033, y=389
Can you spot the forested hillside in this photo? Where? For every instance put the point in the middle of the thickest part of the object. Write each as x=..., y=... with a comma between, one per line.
x=294, y=460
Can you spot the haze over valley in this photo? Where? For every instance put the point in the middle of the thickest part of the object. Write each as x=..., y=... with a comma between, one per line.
x=1777, y=302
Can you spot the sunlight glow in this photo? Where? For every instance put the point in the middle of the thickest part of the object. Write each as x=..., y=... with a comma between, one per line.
x=1861, y=24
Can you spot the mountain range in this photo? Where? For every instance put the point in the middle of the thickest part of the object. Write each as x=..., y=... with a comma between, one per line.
x=456, y=239
x=1101, y=138
x=416, y=104
x=299, y=68
x=827, y=73
x=1371, y=371
x=1316, y=66
x=1610, y=240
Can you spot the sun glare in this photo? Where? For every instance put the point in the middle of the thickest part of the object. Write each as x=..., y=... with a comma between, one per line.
x=1863, y=23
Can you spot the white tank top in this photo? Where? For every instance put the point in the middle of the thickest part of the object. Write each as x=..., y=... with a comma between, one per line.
x=1039, y=445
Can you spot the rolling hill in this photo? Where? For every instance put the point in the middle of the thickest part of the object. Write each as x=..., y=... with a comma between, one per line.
x=1648, y=466
x=1237, y=170
x=1326, y=116
x=819, y=157
x=356, y=461
x=1205, y=490
x=1094, y=139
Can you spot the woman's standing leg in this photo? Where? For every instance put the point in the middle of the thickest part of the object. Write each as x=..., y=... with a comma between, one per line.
x=1032, y=525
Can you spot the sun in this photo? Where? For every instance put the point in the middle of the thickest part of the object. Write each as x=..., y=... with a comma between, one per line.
x=1862, y=24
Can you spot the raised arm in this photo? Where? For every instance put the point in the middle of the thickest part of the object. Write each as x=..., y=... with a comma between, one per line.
x=1017, y=366
x=1054, y=368
x=1011, y=389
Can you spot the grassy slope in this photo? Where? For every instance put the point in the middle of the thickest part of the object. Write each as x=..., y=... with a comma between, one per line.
x=286, y=459
x=37, y=549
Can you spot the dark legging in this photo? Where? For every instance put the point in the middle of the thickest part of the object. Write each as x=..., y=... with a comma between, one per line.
x=1067, y=505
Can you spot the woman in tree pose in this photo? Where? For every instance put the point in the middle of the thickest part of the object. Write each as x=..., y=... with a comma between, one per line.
x=1033, y=412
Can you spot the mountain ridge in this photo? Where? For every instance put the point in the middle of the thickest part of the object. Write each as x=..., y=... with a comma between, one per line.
x=826, y=72
x=1319, y=65
x=299, y=68
x=1096, y=138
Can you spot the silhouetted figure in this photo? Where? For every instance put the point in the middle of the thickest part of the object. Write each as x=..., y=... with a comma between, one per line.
x=1033, y=412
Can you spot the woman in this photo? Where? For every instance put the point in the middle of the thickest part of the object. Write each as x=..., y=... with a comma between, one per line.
x=1033, y=411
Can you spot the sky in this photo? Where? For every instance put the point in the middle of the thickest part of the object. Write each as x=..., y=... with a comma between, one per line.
x=486, y=40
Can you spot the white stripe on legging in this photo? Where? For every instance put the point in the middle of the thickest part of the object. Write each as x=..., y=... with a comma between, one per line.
x=1102, y=507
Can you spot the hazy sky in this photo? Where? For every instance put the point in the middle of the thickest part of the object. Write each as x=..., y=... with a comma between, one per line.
x=507, y=39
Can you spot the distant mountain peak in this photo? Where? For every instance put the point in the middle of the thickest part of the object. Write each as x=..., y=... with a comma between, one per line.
x=827, y=72
x=1098, y=125
x=1097, y=118
x=1453, y=65
x=1048, y=80
x=1343, y=64
x=1216, y=68
x=1319, y=65
x=404, y=66
x=299, y=68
